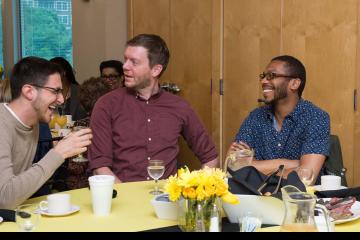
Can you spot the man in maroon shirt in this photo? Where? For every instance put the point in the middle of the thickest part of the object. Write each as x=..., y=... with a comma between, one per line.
x=141, y=122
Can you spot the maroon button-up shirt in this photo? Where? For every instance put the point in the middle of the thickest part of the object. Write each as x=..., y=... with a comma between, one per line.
x=128, y=131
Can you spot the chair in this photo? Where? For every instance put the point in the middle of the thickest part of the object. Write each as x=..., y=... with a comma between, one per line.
x=334, y=162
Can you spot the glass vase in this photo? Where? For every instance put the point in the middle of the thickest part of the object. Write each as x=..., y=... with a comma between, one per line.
x=199, y=216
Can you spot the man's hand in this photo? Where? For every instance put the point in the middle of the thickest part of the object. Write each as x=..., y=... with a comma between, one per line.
x=106, y=171
x=74, y=143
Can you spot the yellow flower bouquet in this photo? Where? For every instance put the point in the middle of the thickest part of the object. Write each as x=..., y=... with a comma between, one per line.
x=198, y=193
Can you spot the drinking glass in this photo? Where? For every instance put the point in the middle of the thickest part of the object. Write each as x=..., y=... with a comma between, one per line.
x=306, y=175
x=27, y=217
x=250, y=222
x=78, y=126
x=156, y=169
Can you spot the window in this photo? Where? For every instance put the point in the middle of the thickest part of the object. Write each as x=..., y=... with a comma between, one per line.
x=64, y=19
x=46, y=28
x=62, y=6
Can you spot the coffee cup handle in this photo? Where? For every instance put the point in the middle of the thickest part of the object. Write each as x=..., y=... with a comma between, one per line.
x=43, y=205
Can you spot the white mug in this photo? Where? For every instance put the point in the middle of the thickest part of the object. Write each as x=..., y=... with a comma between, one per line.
x=330, y=182
x=56, y=203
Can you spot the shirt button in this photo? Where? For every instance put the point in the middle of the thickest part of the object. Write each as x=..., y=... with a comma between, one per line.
x=149, y=120
x=147, y=102
x=149, y=158
x=279, y=144
x=149, y=139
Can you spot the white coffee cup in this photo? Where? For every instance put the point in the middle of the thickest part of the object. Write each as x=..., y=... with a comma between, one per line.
x=56, y=203
x=330, y=182
x=101, y=187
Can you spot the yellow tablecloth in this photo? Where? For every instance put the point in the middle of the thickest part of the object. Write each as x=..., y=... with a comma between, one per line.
x=131, y=211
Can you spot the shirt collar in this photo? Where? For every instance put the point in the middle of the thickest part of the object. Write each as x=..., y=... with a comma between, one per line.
x=293, y=115
x=15, y=116
x=152, y=98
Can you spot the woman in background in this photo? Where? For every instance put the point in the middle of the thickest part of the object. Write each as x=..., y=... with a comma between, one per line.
x=89, y=92
x=5, y=91
x=71, y=104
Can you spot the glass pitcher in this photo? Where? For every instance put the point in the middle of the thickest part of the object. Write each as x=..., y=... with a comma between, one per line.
x=299, y=211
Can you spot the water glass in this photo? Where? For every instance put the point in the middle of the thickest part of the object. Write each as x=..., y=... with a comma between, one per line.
x=27, y=217
x=250, y=222
x=306, y=175
x=156, y=169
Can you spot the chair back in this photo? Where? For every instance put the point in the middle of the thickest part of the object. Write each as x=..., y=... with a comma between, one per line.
x=334, y=163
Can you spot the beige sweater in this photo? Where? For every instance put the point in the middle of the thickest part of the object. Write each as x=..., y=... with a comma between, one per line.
x=19, y=178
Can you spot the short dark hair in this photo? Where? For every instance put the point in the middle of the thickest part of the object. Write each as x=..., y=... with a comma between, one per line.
x=117, y=65
x=294, y=68
x=68, y=70
x=158, y=52
x=90, y=91
x=31, y=70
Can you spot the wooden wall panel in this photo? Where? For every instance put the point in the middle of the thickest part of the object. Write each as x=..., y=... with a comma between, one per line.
x=356, y=158
x=252, y=38
x=151, y=17
x=323, y=35
x=190, y=32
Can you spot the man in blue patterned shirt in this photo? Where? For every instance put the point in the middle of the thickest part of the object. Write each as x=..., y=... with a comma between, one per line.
x=288, y=129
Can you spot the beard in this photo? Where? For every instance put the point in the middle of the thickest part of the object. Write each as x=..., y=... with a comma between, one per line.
x=280, y=93
x=141, y=83
x=41, y=110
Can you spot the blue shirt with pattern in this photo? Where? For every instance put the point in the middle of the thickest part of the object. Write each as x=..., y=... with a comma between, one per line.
x=306, y=130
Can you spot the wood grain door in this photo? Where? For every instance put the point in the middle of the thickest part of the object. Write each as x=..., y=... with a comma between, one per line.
x=323, y=35
x=186, y=26
x=251, y=39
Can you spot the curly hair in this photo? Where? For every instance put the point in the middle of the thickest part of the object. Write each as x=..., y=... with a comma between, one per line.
x=90, y=91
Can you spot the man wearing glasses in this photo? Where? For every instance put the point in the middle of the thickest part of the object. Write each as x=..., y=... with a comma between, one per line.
x=288, y=129
x=36, y=92
x=112, y=73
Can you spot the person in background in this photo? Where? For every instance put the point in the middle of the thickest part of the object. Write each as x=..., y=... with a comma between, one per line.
x=140, y=122
x=89, y=92
x=71, y=105
x=288, y=130
x=111, y=73
x=5, y=91
x=36, y=91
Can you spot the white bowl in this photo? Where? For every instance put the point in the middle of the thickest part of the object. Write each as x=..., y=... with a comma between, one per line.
x=164, y=208
x=271, y=209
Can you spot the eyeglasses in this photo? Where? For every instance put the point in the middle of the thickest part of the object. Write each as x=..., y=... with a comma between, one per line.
x=110, y=77
x=271, y=76
x=55, y=91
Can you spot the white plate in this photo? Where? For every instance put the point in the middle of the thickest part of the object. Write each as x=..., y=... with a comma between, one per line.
x=74, y=209
x=318, y=188
x=355, y=209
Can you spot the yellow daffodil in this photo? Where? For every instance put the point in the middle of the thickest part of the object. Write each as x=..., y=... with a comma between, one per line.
x=230, y=198
x=199, y=185
x=173, y=189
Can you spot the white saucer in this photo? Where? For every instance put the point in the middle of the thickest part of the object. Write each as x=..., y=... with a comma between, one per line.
x=318, y=188
x=73, y=209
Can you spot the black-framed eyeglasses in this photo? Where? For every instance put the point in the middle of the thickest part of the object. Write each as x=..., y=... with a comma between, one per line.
x=110, y=77
x=272, y=75
x=56, y=91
